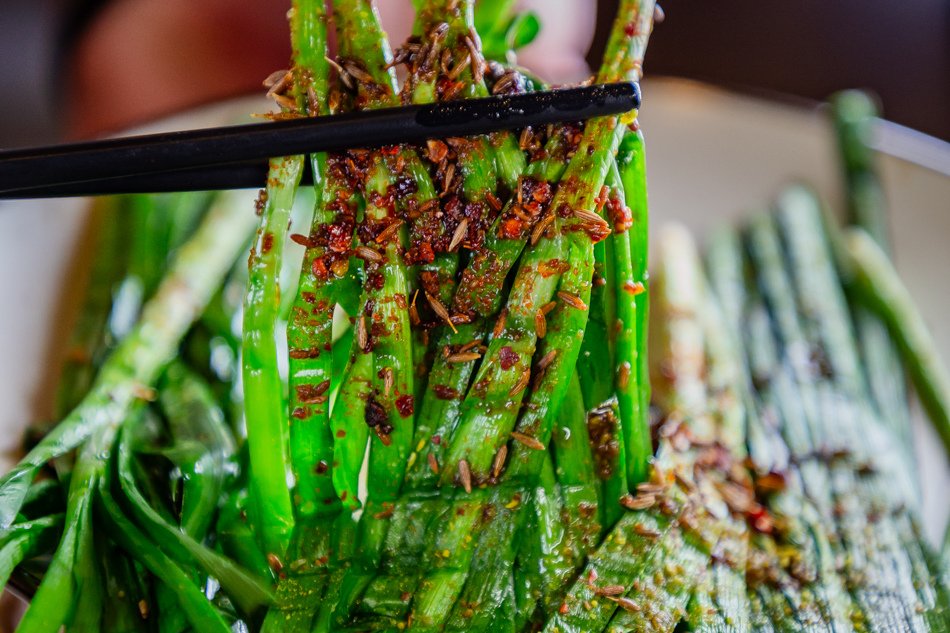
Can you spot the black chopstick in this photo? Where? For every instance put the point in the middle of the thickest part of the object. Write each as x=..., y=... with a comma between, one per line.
x=232, y=157
x=251, y=175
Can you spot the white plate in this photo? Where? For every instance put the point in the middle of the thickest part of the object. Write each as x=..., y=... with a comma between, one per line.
x=712, y=156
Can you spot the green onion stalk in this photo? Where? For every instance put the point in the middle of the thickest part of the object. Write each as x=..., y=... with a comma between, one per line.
x=490, y=410
x=136, y=364
x=470, y=187
x=854, y=116
x=647, y=553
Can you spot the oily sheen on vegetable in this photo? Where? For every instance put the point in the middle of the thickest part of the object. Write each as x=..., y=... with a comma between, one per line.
x=424, y=401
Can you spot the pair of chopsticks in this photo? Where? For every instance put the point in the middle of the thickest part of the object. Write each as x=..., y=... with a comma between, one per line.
x=235, y=157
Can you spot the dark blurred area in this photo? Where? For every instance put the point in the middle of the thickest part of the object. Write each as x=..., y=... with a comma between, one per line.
x=808, y=49
x=899, y=49
x=27, y=31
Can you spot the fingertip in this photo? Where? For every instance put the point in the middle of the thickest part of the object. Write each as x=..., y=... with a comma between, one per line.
x=567, y=30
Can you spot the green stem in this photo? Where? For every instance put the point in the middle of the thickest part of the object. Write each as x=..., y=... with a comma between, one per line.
x=881, y=288
x=63, y=584
x=854, y=118
x=196, y=271
x=198, y=609
x=309, y=328
x=264, y=408
x=821, y=300
x=202, y=446
x=626, y=373
x=631, y=159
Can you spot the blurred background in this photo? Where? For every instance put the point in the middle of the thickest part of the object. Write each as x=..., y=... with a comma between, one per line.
x=73, y=68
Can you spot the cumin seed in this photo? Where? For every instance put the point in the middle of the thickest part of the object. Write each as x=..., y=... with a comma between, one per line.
x=452, y=90
x=623, y=375
x=388, y=232
x=459, y=67
x=368, y=254
x=478, y=68
x=626, y=604
x=461, y=231
x=437, y=150
x=493, y=201
x=465, y=475
x=413, y=311
x=503, y=84
x=524, y=141
x=546, y=360
x=500, y=323
x=440, y=310
x=610, y=590
x=518, y=210
x=541, y=227
x=344, y=76
x=362, y=337
x=465, y=357
x=540, y=324
x=640, y=502
x=285, y=102
x=358, y=73
x=468, y=346
x=571, y=299
x=499, y=461
x=529, y=441
x=449, y=177
x=275, y=77
x=523, y=381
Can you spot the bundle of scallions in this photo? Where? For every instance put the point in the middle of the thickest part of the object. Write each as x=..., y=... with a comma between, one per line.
x=423, y=403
